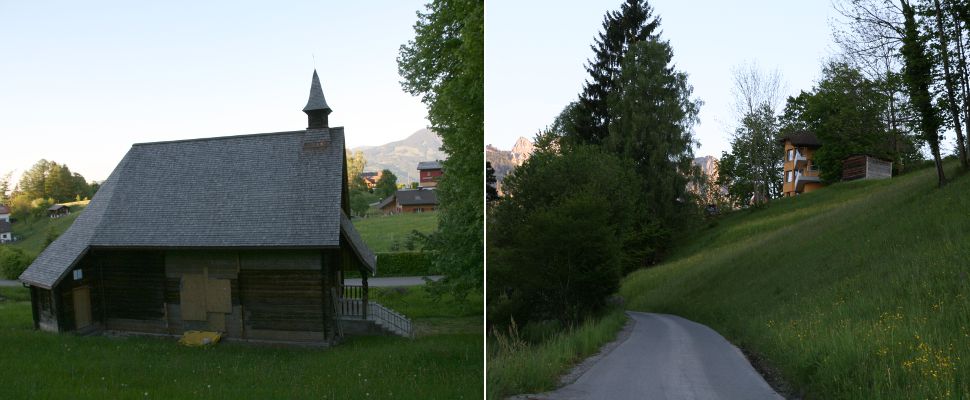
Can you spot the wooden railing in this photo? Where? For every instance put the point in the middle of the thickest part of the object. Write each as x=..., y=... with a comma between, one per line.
x=390, y=318
x=351, y=308
x=353, y=292
x=393, y=320
x=354, y=304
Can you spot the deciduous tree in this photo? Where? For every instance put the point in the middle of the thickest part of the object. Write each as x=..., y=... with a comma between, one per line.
x=558, y=251
x=355, y=167
x=918, y=77
x=444, y=64
x=386, y=185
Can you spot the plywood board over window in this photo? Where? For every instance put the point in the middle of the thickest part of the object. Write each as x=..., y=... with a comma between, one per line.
x=82, y=307
x=218, y=296
x=193, y=296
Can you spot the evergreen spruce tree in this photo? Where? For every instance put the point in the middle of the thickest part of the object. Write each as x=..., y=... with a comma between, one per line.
x=652, y=116
x=633, y=22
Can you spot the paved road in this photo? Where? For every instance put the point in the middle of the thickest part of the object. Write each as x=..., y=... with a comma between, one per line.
x=393, y=281
x=668, y=357
x=374, y=282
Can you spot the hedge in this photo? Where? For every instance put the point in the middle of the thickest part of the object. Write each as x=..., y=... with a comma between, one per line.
x=13, y=262
x=400, y=263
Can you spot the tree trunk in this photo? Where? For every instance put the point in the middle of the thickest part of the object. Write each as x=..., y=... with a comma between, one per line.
x=948, y=81
x=894, y=132
x=964, y=73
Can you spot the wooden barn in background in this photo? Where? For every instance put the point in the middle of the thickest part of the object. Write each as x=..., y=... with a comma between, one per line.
x=170, y=243
x=409, y=201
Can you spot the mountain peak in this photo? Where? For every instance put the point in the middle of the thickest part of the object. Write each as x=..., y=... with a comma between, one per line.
x=522, y=150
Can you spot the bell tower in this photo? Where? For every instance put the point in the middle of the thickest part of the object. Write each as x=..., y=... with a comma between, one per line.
x=316, y=109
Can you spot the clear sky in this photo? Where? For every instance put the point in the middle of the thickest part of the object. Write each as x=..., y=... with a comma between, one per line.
x=536, y=51
x=81, y=81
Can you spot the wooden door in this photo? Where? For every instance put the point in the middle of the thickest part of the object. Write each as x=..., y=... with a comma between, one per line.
x=82, y=307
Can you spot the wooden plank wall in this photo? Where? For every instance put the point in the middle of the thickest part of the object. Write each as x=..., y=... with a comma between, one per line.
x=854, y=168
x=282, y=295
x=274, y=295
x=90, y=274
x=218, y=266
x=134, y=287
x=46, y=318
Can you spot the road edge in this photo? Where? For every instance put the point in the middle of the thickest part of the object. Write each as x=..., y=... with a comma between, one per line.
x=579, y=369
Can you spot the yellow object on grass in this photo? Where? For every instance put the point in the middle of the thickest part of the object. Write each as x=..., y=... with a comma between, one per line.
x=199, y=338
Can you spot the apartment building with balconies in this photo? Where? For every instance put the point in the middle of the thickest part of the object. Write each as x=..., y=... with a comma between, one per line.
x=801, y=175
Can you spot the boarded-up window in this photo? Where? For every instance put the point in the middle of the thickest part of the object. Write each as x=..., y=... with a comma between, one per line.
x=218, y=296
x=192, y=296
x=200, y=297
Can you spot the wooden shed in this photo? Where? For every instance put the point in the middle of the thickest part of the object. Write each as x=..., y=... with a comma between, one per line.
x=193, y=255
x=866, y=167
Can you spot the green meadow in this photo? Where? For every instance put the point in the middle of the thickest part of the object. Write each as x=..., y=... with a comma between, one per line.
x=381, y=232
x=443, y=362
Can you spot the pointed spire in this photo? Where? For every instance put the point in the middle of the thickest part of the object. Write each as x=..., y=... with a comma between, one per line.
x=316, y=108
x=316, y=101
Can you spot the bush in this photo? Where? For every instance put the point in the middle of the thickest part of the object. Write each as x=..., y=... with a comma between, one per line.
x=404, y=263
x=570, y=225
x=13, y=262
x=413, y=241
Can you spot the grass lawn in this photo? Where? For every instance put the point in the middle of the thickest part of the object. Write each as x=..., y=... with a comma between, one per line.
x=432, y=366
x=381, y=232
x=856, y=291
x=33, y=231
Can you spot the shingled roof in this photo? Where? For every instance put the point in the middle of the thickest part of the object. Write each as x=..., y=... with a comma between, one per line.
x=802, y=138
x=423, y=165
x=414, y=197
x=199, y=193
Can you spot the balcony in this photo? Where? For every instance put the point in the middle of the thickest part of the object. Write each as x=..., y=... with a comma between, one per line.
x=810, y=177
x=800, y=159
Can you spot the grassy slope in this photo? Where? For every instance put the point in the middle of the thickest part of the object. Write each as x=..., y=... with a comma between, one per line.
x=857, y=291
x=33, y=232
x=433, y=366
x=380, y=232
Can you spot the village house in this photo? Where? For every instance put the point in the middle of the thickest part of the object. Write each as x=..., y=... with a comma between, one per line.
x=371, y=178
x=429, y=173
x=170, y=243
x=58, y=210
x=409, y=201
x=6, y=231
x=801, y=175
